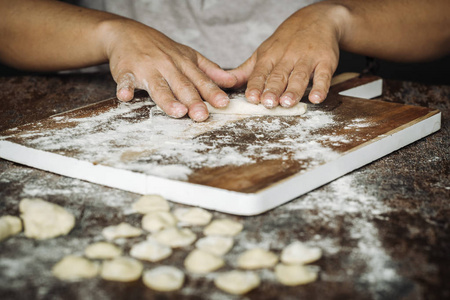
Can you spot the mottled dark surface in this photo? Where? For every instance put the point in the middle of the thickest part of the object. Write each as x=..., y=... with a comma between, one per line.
x=384, y=228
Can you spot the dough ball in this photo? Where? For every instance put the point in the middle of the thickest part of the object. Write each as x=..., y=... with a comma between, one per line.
x=240, y=106
x=217, y=245
x=158, y=220
x=226, y=227
x=149, y=203
x=201, y=262
x=193, y=216
x=257, y=258
x=102, y=250
x=174, y=237
x=75, y=268
x=299, y=253
x=237, y=282
x=151, y=251
x=9, y=225
x=44, y=220
x=295, y=274
x=164, y=279
x=123, y=230
x=123, y=269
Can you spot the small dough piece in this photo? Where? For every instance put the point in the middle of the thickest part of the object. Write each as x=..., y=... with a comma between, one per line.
x=193, y=216
x=257, y=258
x=102, y=250
x=9, y=226
x=151, y=251
x=158, y=220
x=223, y=227
x=217, y=245
x=237, y=282
x=123, y=269
x=164, y=279
x=295, y=274
x=74, y=268
x=174, y=237
x=44, y=220
x=202, y=262
x=240, y=106
x=299, y=253
x=149, y=203
x=123, y=230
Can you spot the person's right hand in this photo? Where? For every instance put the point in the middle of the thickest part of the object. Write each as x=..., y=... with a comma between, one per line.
x=176, y=77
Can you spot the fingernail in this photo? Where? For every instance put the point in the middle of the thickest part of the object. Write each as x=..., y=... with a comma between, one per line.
x=269, y=100
x=222, y=101
x=198, y=113
x=178, y=110
x=253, y=97
x=124, y=94
x=287, y=100
x=315, y=98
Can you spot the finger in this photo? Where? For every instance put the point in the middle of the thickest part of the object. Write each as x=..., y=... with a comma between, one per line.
x=185, y=91
x=257, y=79
x=207, y=89
x=297, y=84
x=243, y=72
x=220, y=77
x=161, y=93
x=321, y=83
x=126, y=83
x=276, y=84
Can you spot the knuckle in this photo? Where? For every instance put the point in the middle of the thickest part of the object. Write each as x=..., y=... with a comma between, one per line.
x=277, y=77
x=300, y=76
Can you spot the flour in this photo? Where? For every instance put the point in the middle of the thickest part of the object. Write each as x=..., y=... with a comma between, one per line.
x=133, y=136
x=343, y=197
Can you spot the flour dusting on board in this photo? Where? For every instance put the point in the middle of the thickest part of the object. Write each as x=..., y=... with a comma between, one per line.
x=136, y=137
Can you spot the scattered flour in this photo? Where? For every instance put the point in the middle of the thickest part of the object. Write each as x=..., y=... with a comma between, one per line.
x=135, y=137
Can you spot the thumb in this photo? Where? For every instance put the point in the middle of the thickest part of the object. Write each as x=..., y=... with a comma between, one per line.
x=242, y=73
x=218, y=75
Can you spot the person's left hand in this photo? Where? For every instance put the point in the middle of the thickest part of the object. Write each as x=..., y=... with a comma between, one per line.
x=305, y=46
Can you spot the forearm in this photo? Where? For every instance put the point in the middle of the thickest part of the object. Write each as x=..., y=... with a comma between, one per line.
x=399, y=30
x=51, y=35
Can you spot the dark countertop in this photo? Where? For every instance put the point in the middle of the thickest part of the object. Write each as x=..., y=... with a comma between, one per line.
x=384, y=228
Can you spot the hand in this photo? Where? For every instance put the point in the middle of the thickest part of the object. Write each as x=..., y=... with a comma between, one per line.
x=176, y=77
x=305, y=46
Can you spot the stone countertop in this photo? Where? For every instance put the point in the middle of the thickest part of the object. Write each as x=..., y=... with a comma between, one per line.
x=384, y=229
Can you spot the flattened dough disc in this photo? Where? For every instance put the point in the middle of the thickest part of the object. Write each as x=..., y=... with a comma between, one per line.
x=240, y=106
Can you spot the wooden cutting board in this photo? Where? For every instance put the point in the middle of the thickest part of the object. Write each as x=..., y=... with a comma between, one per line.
x=242, y=165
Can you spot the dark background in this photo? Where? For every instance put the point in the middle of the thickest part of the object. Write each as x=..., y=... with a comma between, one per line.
x=434, y=72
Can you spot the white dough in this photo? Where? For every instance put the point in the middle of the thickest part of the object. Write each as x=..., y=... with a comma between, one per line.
x=225, y=227
x=151, y=251
x=158, y=220
x=295, y=274
x=174, y=237
x=164, y=279
x=149, y=203
x=299, y=253
x=257, y=258
x=102, y=250
x=9, y=226
x=44, y=220
x=193, y=216
x=123, y=269
x=240, y=106
x=237, y=282
x=217, y=245
x=201, y=262
x=123, y=230
x=75, y=268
